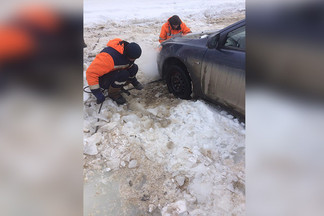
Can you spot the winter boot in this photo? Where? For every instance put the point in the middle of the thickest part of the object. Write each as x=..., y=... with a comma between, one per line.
x=137, y=84
x=114, y=94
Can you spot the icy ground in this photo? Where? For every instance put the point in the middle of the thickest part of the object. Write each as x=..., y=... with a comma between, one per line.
x=158, y=155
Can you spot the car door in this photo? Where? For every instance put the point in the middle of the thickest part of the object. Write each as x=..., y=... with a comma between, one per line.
x=223, y=69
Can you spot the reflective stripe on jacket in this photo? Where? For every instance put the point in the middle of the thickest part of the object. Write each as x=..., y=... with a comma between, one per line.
x=167, y=32
x=109, y=59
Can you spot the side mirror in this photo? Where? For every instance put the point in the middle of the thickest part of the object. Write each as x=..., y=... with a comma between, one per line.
x=213, y=42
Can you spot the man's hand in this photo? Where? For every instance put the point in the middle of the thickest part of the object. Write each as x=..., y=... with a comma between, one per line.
x=100, y=97
x=177, y=35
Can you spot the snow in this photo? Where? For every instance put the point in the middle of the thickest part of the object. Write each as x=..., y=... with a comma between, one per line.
x=100, y=11
x=164, y=155
x=90, y=147
x=132, y=164
x=176, y=208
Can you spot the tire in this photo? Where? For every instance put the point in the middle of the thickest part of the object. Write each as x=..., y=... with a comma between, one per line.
x=179, y=82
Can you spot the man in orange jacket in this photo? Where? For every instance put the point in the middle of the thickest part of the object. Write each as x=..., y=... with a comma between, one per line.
x=113, y=68
x=173, y=27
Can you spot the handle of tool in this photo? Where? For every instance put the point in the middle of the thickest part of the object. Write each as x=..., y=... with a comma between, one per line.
x=98, y=118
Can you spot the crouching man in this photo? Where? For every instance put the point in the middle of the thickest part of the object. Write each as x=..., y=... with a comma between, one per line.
x=113, y=68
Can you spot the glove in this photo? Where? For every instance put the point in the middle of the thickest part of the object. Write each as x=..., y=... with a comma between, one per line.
x=100, y=97
x=177, y=35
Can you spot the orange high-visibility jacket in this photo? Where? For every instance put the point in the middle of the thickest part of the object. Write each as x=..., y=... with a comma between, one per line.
x=109, y=59
x=167, y=32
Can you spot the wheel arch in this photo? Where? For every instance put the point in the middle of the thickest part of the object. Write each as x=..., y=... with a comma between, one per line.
x=173, y=61
x=195, y=81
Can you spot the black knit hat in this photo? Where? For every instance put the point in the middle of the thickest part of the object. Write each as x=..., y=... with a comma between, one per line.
x=133, y=50
x=174, y=20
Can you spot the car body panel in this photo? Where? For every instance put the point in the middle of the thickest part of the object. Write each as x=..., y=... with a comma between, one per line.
x=223, y=79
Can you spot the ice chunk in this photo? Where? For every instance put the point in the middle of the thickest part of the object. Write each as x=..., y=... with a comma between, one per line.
x=132, y=164
x=90, y=146
x=123, y=164
x=151, y=208
x=176, y=208
x=90, y=149
x=180, y=180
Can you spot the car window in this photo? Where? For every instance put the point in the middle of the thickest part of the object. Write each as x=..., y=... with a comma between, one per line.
x=236, y=39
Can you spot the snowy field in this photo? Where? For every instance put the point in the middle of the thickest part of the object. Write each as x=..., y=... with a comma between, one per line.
x=158, y=155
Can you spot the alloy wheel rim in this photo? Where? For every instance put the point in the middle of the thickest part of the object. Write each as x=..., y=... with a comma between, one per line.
x=177, y=82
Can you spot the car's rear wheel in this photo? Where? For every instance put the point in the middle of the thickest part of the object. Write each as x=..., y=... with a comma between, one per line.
x=178, y=82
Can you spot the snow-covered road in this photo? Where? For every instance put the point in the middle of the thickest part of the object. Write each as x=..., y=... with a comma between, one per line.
x=158, y=155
